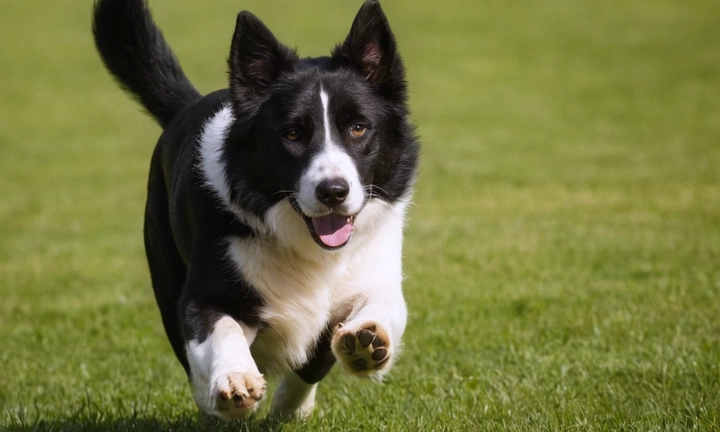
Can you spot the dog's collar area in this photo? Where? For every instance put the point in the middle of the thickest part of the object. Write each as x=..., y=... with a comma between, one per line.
x=331, y=231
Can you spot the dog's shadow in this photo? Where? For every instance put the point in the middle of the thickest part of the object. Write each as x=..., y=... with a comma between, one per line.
x=191, y=423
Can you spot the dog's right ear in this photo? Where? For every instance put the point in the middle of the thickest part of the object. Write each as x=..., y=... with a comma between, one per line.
x=256, y=60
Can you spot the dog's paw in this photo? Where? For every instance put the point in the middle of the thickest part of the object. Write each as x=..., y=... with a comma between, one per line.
x=237, y=394
x=362, y=350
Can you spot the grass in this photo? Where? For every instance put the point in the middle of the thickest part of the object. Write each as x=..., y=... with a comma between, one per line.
x=562, y=257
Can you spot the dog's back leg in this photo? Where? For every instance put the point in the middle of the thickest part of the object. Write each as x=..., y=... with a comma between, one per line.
x=167, y=268
x=294, y=398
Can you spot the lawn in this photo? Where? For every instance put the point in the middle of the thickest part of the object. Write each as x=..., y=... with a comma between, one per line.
x=562, y=258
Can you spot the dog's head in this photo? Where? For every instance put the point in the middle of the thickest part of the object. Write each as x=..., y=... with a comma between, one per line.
x=327, y=134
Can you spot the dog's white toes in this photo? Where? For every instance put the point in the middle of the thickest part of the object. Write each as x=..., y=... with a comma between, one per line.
x=237, y=394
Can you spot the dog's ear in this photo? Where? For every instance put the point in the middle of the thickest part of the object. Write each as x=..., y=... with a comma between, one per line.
x=256, y=59
x=371, y=50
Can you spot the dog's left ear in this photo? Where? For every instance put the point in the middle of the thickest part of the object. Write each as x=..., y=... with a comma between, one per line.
x=256, y=59
x=370, y=49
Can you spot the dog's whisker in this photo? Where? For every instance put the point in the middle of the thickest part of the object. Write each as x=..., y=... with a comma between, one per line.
x=288, y=193
x=373, y=191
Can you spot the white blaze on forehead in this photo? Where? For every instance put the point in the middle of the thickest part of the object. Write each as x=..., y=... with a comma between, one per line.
x=332, y=162
x=326, y=120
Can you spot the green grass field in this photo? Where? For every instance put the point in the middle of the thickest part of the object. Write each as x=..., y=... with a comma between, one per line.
x=562, y=256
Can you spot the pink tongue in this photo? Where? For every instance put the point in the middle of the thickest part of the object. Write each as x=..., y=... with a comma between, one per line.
x=333, y=230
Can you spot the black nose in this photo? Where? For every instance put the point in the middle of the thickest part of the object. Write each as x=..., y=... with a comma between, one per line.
x=332, y=192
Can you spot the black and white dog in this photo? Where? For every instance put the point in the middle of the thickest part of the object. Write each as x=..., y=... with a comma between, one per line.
x=275, y=209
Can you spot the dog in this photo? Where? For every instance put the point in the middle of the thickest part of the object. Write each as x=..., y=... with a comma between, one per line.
x=275, y=208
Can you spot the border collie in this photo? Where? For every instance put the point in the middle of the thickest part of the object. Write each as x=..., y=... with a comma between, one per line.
x=275, y=209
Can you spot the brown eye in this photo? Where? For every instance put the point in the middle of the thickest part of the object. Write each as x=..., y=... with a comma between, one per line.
x=292, y=135
x=358, y=130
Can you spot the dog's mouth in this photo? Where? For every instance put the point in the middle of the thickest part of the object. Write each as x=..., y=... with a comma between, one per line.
x=331, y=231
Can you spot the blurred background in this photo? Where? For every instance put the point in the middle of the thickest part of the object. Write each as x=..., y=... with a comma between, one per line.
x=561, y=259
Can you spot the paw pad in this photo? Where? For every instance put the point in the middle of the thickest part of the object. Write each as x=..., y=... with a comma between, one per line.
x=363, y=350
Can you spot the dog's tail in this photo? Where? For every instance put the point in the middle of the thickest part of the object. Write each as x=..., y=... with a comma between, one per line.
x=135, y=52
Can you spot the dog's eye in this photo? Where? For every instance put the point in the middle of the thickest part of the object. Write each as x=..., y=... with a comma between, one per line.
x=292, y=135
x=358, y=130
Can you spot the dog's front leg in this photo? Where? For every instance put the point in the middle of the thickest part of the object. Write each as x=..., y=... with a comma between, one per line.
x=367, y=342
x=225, y=379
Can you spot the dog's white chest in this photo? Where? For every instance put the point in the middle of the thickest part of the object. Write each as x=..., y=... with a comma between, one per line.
x=299, y=296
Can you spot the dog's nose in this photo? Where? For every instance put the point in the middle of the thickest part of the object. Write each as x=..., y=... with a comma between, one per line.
x=332, y=192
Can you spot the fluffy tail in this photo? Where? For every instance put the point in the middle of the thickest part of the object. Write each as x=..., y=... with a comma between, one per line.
x=135, y=52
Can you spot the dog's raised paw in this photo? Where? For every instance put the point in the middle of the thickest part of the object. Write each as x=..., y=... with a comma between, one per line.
x=363, y=349
x=237, y=394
